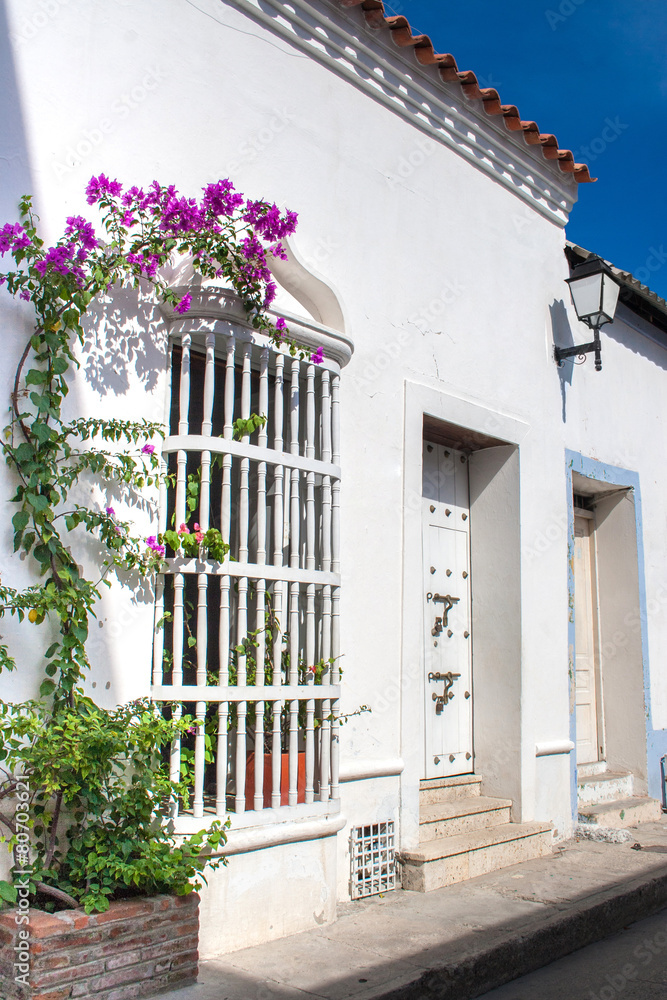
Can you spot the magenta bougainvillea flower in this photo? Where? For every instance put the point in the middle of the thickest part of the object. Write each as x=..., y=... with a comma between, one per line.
x=148, y=449
x=317, y=357
x=154, y=545
x=184, y=304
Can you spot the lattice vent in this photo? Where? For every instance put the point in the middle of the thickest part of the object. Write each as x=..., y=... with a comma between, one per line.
x=373, y=860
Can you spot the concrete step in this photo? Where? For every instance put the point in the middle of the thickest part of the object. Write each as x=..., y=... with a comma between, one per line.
x=622, y=813
x=438, y=863
x=597, y=788
x=448, y=819
x=461, y=786
x=595, y=767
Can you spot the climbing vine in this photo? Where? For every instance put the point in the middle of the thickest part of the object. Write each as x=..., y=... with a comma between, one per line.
x=227, y=238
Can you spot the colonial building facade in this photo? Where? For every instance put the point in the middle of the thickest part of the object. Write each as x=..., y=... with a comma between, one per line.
x=436, y=522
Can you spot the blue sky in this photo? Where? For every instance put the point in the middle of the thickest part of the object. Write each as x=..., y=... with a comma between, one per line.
x=593, y=72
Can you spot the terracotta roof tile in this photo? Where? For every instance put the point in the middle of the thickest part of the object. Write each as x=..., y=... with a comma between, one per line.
x=401, y=34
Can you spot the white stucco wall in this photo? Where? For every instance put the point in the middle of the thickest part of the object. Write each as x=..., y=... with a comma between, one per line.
x=448, y=280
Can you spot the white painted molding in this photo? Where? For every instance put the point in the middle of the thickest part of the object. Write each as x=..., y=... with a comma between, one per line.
x=256, y=838
x=553, y=748
x=217, y=309
x=314, y=293
x=420, y=97
x=357, y=770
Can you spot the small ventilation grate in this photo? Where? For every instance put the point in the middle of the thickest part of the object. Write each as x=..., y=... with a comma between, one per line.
x=373, y=859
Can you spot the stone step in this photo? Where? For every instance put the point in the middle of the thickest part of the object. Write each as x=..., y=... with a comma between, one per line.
x=622, y=813
x=438, y=863
x=595, y=767
x=448, y=819
x=461, y=786
x=597, y=788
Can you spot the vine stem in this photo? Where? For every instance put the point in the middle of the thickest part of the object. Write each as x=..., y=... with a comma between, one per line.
x=48, y=858
x=15, y=393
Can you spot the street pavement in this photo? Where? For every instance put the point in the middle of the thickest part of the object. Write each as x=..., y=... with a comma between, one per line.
x=631, y=965
x=462, y=941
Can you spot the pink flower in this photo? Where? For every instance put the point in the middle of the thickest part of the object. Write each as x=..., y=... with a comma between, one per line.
x=25, y=295
x=184, y=530
x=281, y=326
x=199, y=535
x=184, y=304
x=154, y=545
x=148, y=449
x=317, y=357
x=100, y=186
x=110, y=511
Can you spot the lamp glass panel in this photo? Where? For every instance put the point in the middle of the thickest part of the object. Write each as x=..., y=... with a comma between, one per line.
x=585, y=294
x=609, y=298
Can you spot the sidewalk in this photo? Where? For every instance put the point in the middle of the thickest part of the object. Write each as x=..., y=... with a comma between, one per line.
x=454, y=943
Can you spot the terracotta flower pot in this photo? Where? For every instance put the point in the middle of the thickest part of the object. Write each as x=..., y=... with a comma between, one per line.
x=268, y=779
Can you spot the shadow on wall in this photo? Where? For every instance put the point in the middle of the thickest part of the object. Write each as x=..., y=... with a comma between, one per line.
x=650, y=345
x=15, y=174
x=124, y=336
x=562, y=337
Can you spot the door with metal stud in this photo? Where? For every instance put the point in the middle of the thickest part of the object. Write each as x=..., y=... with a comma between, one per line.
x=447, y=659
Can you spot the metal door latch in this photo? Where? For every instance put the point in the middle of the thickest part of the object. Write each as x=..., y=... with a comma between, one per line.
x=447, y=695
x=449, y=603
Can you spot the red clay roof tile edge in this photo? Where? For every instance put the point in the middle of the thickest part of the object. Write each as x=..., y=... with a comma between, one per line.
x=401, y=33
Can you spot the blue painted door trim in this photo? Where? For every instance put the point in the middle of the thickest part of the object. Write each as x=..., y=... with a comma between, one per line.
x=656, y=739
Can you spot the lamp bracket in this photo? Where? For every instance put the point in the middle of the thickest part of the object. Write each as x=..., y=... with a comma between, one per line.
x=561, y=353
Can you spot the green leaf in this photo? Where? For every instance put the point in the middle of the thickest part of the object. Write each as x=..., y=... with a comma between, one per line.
x=8, y=892
x=46, y=688
x=41, y=431
x=20, y=520
x=39, y=503
x=52, y=649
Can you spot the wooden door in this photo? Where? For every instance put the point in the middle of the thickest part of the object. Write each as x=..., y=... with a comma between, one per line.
x=447, y=660
x=588, y=721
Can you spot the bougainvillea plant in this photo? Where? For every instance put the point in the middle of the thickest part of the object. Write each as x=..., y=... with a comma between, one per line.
x=227, y=238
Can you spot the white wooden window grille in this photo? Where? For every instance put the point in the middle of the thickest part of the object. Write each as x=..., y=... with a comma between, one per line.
x=237, y=647
x=373, y=859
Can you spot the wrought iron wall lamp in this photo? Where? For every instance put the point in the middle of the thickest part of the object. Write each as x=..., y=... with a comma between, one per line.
x=594, y=291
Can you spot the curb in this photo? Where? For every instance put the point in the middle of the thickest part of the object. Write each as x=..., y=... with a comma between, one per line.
x=559, y=935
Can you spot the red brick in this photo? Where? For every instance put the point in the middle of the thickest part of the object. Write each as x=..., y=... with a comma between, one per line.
x=61, y=994
x=70, y=975
x=125, y=958
x=7, y=935
x=119, y=977
x=175, y=947
x=76, y=919
x=154, y=928
x=45, y=962
x=125, y=992
x=188, y=899
x=125, y=909
x=163, y=903
x=188, y=957
x=43, y=925
x=67, y=942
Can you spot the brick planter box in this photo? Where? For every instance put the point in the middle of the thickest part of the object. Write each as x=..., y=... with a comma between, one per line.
x=137, y=948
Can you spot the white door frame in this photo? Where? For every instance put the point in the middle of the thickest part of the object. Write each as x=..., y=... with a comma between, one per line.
x=440, y=405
